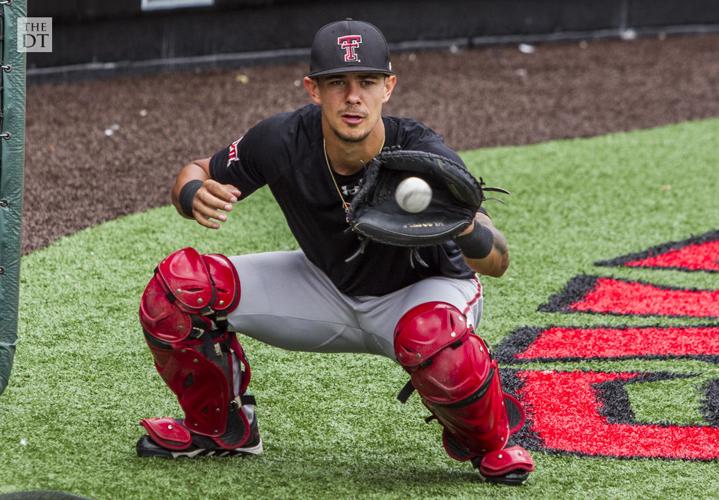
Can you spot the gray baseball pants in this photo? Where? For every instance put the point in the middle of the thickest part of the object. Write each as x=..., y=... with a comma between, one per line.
x=288, y=302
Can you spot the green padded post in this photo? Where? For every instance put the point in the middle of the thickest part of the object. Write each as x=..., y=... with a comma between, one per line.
x=12, y=160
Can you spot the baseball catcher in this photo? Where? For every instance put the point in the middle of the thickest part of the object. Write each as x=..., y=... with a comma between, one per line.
x=375, y=272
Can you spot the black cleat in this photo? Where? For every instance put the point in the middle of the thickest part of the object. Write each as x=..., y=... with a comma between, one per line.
x=511, y=479
x=201, y=446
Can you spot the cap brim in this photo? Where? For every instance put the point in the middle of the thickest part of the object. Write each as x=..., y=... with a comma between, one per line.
x=349, y=69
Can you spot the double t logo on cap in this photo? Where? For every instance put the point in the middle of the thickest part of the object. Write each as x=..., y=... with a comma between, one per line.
x=350, y=43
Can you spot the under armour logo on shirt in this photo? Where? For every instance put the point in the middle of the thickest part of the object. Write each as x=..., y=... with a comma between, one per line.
x=350, y=190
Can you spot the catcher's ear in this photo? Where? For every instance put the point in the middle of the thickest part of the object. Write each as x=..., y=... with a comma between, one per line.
x=312, y=88
x=390, y=82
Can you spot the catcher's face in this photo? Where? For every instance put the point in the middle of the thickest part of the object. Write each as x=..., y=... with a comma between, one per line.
x=351, y=103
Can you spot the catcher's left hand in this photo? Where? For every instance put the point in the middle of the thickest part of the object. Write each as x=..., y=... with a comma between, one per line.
x=456, y=197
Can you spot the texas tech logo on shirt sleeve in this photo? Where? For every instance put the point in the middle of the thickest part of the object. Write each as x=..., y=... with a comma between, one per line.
x=232, y=155
x=350, y=44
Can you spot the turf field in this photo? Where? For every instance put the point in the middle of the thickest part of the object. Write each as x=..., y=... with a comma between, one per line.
x=83, y=376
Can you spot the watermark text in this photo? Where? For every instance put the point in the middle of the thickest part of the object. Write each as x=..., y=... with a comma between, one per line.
x=34, y=34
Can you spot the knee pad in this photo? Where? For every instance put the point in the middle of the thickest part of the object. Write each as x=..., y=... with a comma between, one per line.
x=183, y=312
x=188, y=292
x=457, y=379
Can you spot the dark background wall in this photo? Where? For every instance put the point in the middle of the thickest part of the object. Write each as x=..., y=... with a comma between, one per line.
x=93, y=33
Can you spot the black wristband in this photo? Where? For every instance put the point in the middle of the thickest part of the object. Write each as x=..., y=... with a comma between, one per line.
x=477, y=244
x=187, y=194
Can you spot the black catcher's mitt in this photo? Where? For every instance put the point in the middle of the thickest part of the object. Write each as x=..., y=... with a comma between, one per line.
x=456, y=197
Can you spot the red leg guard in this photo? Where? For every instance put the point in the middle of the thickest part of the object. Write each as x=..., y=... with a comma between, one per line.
x=182, y=312
x=459, y=382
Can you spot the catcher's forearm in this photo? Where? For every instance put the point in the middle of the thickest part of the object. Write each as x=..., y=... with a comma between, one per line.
x=487, y=252
x=196, y=170
x=495, y=264
x=477, y=243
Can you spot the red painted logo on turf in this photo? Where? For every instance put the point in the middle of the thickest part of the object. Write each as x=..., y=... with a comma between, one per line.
x=605, y=295
x=350, y=44
x=699, y=253
x=567, y=343
x=700, y=257
x=570, y=414
x=589, y=412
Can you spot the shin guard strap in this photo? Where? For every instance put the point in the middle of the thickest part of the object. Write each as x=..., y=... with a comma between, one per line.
x=405, y=392
x=248, y=399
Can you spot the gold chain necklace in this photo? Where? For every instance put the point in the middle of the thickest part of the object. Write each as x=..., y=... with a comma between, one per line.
x=345, y=205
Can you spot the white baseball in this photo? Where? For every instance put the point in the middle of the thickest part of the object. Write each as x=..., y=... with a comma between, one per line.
x=413, y=194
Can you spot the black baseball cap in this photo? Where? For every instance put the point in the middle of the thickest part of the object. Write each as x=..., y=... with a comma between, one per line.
x=349, y=46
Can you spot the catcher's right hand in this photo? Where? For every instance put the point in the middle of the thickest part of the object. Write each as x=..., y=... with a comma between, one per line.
x=211, y=201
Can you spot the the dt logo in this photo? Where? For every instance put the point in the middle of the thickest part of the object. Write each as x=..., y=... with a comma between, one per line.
x=34, y=34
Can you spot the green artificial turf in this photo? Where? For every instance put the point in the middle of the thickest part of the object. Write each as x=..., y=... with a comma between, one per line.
x=83, y=376
x=677, y=401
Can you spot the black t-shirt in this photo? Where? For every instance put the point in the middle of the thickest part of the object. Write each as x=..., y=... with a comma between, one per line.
x=285, y=152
